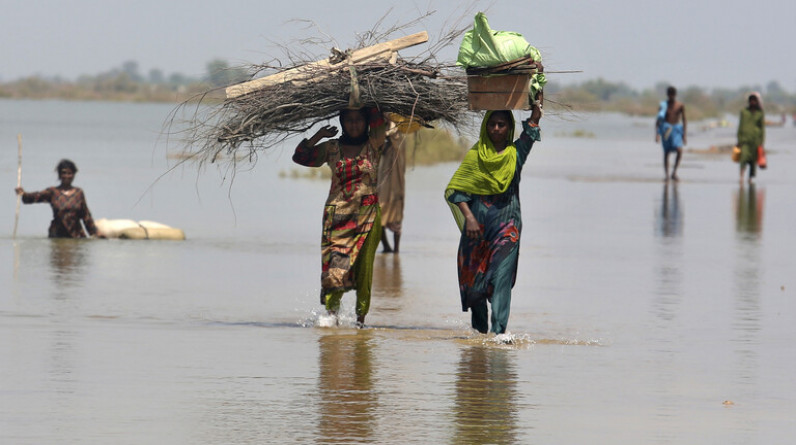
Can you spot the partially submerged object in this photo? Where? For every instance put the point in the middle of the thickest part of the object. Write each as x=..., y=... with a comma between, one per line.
x=129, y=229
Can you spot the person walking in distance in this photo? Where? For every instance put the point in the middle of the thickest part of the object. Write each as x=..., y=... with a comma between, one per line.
x=670, y=129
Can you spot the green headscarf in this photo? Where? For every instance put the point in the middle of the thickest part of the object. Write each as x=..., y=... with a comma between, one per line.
x=484, y=171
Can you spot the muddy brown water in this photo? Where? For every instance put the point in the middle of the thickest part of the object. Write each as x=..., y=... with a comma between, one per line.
x=643, y=312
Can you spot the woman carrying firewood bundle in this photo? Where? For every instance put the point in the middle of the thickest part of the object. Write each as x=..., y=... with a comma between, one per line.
x=351, y=217
x=484, y=197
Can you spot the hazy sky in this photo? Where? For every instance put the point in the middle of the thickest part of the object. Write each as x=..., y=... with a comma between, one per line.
x=708, y=43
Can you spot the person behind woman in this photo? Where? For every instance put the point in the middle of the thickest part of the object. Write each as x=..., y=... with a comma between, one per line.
x=68, y=204
x=392, y=188
x=351, y=216
x=484, y=197
x=751, y=134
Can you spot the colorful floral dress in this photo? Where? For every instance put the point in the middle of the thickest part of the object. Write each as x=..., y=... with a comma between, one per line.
x=488, y=265
x=350, y=214
x=68, y=211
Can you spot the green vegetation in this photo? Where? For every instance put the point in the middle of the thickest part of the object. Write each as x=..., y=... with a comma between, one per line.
x=430, y=146
x=579, y=133
x=323, y=172
x=601, y=95
x=124, y=84
x=127, y=84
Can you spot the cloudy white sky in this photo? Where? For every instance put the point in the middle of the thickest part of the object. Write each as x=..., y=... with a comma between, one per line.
x=708, y=43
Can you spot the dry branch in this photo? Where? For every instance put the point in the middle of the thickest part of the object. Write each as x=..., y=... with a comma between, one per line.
x=238, y=126
x=383, y=51
x=267, y=116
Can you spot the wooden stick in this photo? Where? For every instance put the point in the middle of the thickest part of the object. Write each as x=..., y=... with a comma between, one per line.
x=19, y=182
x=382, y=50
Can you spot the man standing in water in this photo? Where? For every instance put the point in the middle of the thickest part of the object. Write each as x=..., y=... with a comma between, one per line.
x=668, y=127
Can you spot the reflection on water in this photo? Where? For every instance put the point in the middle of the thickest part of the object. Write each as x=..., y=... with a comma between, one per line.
x=348, y=400
x=62, y=378
x=16, y=261
x=387, y=275
x=747, y=275
x=68, y=259
x=669, y=221
x=749, y=210
x=667, y=302
x=486, y=397
x=389, y=287
x=669, y=230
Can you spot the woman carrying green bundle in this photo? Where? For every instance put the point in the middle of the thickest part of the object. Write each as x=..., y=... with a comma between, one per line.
x=484, y=197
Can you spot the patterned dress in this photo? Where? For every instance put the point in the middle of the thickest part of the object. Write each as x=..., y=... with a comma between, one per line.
x=68, y=211
x=350, y=214
x=488, y=265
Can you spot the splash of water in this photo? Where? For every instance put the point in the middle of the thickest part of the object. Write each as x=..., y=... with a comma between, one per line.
x=319, y=318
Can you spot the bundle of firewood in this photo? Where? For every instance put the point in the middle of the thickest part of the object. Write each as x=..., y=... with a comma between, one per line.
x=287, y=101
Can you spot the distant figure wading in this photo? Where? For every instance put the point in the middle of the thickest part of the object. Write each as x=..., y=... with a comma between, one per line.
x=68, y=204
x=671, y=131
x=751, y=134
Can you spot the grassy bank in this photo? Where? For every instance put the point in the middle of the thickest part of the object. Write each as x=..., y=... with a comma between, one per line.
x=589, y=96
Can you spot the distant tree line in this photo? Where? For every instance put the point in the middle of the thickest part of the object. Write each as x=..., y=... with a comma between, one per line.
x=126, y=83
x=701, y=103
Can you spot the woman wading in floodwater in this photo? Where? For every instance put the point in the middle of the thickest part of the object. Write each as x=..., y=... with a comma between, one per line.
x=351, y=217
x=485, y=200
x=68, y=204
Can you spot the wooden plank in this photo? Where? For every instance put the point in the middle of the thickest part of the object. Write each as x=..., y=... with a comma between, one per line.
x=383, y=51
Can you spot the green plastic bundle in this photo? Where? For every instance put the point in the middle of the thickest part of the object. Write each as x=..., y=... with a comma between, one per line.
x=483, y=47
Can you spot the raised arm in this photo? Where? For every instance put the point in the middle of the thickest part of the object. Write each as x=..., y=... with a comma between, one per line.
x=308, y=153
x=530, y=132
x=34, y=197
x=378, y=128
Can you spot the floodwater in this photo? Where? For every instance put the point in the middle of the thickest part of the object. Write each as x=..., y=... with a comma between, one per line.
x=643, y=312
